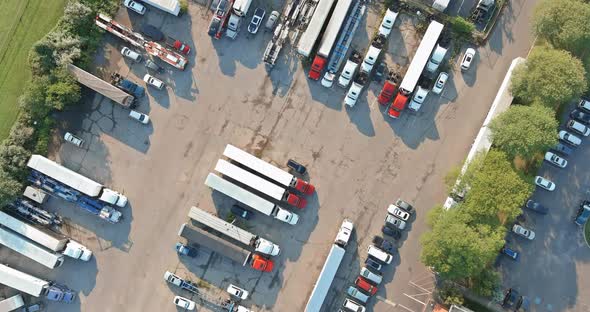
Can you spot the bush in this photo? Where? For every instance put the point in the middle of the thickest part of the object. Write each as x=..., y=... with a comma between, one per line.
x=43, y=136
x=462, y=29
x=65, y=91
x=10, y=188
x=13, y=160
x=183, y=6
x=451, y=294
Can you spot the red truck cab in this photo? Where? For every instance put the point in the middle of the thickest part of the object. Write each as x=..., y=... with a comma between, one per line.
x=302, y=186
x=295, y=200
x=316, y=67
x=398, y=105
x=386, y=93
x=178, y=45
x=260, y=263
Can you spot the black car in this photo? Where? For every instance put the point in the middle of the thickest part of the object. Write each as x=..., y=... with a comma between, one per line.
x=393, y=232
x=563, y=149
x=384, y=244
x=214, y=26
x=152, y=31
x=241, y=212
x=404, y=205
x=536, y=207
x=297, y=167
x=374, y=265
x=511, y=298
x=580, y=116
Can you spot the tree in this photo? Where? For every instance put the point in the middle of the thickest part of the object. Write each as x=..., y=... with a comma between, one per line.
x=13, y=160
x=64, y=92
x=551, y=77
x=10, y=188
x=524, y=130
x=33, y=99
x=451, y=294
x=496, y=192
x=461, y=28
x=563, y=23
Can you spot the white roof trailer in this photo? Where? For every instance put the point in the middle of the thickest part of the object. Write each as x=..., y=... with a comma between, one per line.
x=421, y=57
x=239, y=194
x=258, y=165
x=29, y=249
x=333, y=28
x=21, y=281
x=64, y=175
x=51, y=242
x=320, y=289
x=169, y=6
x=249, y=179
x=309, y=37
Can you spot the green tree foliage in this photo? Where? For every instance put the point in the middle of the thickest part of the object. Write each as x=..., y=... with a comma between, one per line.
x=496, y=192
x=525, y=130
x=13, y=160
x=10, y=188
x=461, y=28
x=451, y=294
x=563, y=23
x=65, y=91
x=33, y=100
x=485, y=283
x=551, y=77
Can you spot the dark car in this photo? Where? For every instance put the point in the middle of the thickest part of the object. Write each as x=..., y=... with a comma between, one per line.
x=563, y=149
x=583, y=213
x=297, y=167
x=384, y=244
x=185, y=250
x=374, y=265
x=512, y=254
x=404, y=205
x=580, y=116
x=152, y=31
x=214, y=26
x=511, y=298
x=393, y=232
x=523, y=304
x=241, y=212
x=536, y=207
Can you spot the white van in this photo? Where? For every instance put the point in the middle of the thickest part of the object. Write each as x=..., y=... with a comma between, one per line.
x=578, y=128
x=357, y=294
x=352, y=305
x=379, y=255
x=131, y=54
x=369, y=275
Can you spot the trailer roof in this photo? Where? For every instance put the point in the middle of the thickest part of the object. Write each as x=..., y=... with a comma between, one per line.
x=29, y=249
x=170, y=6
x=214, y=243
x=309, y=37
x=223, y=186
x=100, y=86
x=421, y=57
x=221, y=226
x=64, y=175
x=28, y=230
x=333, y=28
x=272, y=172
x=21, y=281
x=260, y=184
x=320, y=290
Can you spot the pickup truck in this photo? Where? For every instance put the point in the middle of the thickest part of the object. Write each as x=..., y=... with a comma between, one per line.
x=177, y=281
x=127, y=86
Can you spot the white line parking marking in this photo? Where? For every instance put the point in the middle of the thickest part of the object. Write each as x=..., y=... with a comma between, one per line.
x=412, y=297
x=393, y=304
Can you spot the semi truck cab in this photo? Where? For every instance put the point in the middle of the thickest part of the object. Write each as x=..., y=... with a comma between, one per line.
x=285, y=216
x=294, y=200
x=302, y=186
x=114, y=198
x=261, y=264
x=316, y=67
x=398, y=105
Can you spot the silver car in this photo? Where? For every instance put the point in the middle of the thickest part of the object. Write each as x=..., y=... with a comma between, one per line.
x=395, y=222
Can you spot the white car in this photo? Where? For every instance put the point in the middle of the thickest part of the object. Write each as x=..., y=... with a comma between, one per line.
x=441, y=81
x=398, y=212
x=73, y=139
x=387, y=23
x=578, y=127
x=328, y=79
x=153, y=81
x=467, y=59
x=131, y=54
x=522, y=231
x=584, y=104
x=143, y=118
x=272, y=20
x=135, y=6
x=555, y=160
x=184, y=303
x=237, y=292
x=256, y=20
x=569, y=138
x=544, y=183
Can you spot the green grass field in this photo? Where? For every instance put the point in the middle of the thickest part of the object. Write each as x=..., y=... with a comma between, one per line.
x=22, y=23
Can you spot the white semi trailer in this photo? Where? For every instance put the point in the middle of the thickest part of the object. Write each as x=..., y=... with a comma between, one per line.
x=34, y=286
x=267, y=170
x=310, y=36
x=256, y=202
x=52, y=242
x=260, y=184
x=260, y=244
x=30, y=249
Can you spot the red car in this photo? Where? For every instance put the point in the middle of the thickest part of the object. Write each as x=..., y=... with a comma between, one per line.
x=365, y=285
x=386, y=93
x=178, y=45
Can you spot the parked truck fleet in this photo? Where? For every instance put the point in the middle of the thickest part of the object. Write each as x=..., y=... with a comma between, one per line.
x=35, y=286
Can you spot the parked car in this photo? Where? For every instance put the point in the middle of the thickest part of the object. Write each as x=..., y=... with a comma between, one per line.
x=384, y=244
x=126, y=52
x=149, y=64
x=33, y=308
x=184, y=303
x=418, y=99
x=153, y=81
x=584, y=104
x=297, y=167
x=583, y=213
x=143, y=118
x=509, y=252
x=578, y=127
x=393, y=232
x=357, y=294
x=365, y=285
x=394, y=222
x=352, y=305
x=185, y=250
x=563, y=149
x=569, y=138
x=404, y=205
x=73, y=139
x=241, y=212
x=237, y=292
x=544, y=183
x=553, y=159
x=371, y=276
x=379, y=254
x=511, y=297
x=524, y=232
x=467, y=59
x=152, y=32
x=398, y=212
x=272, y=20
x=135, y=6
x=256, y=20
x=536, y=207
x=372, y=264
x=580, y=116
x=441, y=81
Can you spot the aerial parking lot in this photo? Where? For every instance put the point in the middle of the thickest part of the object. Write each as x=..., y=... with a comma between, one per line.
x=359, y=159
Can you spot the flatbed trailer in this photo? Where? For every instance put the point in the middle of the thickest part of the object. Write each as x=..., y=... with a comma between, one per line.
x=104, y=88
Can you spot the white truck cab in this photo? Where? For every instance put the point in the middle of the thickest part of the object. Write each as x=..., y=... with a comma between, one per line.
x=353, y=94
x=286, y=216
x=344, y=233
x=418, y=99
x=233, y=26
x=437, y=57
x=370, y=59
x=77, y=251
x=267, y=247
x=113, y=198
x=347, y=73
